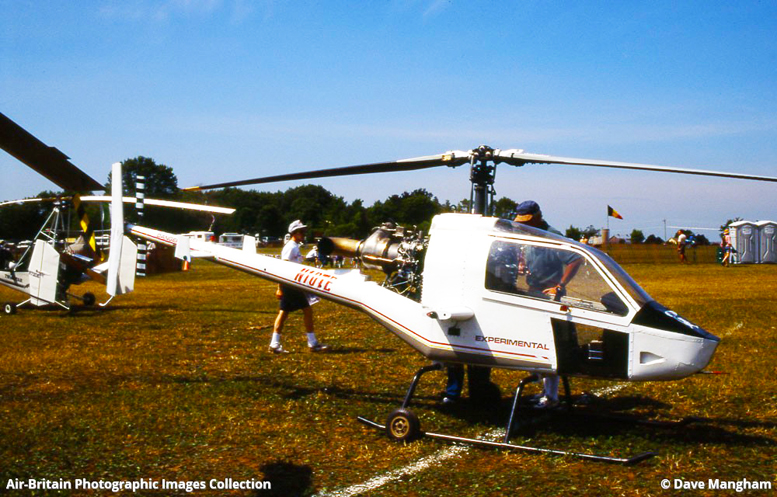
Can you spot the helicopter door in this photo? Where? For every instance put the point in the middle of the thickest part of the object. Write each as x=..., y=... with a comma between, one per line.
x=590, y=351
x=526, y=275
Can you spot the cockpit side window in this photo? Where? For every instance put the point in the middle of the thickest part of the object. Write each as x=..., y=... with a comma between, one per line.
x=535, y=271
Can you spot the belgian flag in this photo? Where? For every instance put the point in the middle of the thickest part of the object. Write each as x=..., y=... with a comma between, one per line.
x=612, y=212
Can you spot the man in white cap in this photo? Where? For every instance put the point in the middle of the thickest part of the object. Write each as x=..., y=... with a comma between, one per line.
x=292, y=299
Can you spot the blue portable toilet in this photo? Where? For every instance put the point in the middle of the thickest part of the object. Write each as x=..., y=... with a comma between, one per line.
x=767, y=241
x=744, y=239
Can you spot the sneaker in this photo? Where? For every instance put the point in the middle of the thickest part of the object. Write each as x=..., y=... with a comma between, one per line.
x=536, y=398
x=277, y=349
x=449, y=401
x=319, y=347
x=547, y=403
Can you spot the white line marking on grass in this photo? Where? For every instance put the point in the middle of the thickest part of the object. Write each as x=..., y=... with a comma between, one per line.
x=396, y=474
x=610, y=390
x=432, y=460
x=411, y=469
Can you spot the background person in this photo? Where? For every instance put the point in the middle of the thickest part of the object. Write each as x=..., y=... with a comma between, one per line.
x=725, y=244
x=292, y=299
x=682, y=242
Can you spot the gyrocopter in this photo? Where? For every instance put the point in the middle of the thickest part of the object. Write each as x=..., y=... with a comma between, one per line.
x=475, y=305
x=48, y=268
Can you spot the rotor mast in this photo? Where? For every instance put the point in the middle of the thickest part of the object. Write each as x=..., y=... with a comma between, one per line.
x=482, y=176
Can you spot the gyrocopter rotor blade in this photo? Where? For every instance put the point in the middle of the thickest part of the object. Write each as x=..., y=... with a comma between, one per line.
x=48, y=161
x=131, y=200
x=450, y=159
x=518, y=157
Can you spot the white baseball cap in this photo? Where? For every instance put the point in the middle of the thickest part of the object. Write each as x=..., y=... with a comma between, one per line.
x=296, y=225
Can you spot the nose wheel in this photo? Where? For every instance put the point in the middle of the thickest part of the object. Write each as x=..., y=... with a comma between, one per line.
x=403, y=425
x=88, y=299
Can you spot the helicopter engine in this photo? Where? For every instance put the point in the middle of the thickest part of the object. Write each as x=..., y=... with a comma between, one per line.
x=395, y=250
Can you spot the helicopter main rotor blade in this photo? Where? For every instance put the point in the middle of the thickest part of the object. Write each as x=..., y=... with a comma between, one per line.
x=48, y=161
x=450, y=159
x=517, y=157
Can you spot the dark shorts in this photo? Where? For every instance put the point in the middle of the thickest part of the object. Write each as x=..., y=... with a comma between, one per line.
x=293, y=299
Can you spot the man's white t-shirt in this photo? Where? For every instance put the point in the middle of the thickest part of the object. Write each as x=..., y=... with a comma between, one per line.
x=291, y=252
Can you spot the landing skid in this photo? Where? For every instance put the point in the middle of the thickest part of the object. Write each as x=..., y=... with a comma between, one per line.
x=524, y=448
x=88, y=299
x=403, y=425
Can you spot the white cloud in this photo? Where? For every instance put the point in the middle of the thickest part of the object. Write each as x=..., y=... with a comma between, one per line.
x=161, y=11
x=436, y=7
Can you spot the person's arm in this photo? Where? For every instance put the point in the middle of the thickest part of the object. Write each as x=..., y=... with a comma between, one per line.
x=570, y=270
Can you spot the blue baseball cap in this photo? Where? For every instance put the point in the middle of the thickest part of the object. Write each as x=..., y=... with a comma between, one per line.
x=527, y=210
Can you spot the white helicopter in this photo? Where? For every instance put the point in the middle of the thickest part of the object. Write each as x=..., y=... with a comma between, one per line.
x=476, y=304
x=48, y=267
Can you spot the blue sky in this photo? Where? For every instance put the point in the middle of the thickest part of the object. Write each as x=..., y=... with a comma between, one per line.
x=232, y=89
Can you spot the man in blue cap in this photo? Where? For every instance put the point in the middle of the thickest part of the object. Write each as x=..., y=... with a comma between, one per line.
x=550, y=271
x=548, y=277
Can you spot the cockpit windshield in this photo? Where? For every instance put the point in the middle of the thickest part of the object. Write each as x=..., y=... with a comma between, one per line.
x=639, y=295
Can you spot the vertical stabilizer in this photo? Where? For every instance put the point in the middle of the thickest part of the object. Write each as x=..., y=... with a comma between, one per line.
x=119, y=280
x=129, y=255
x=182, y=250
x=249, y=244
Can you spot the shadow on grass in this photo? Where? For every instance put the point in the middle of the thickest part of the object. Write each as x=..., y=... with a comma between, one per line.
x=85, y=311
x=610, y=418
x=740, y=423
x=82, y=311
x=358, y=350
x=627, y=403
x=287, y=479
x=293, y=391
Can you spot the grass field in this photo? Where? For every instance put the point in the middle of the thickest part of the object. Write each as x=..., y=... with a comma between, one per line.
x=175, y=382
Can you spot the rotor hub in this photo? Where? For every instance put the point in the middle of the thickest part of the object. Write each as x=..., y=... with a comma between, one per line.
x=483, y=153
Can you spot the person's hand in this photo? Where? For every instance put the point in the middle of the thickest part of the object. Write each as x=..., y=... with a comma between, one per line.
x=278, y=293
x=554, y=292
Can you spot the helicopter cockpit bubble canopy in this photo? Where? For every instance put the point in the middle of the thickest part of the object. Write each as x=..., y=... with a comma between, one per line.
x=591, y=283
x=545, y=303
x=515, y=254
